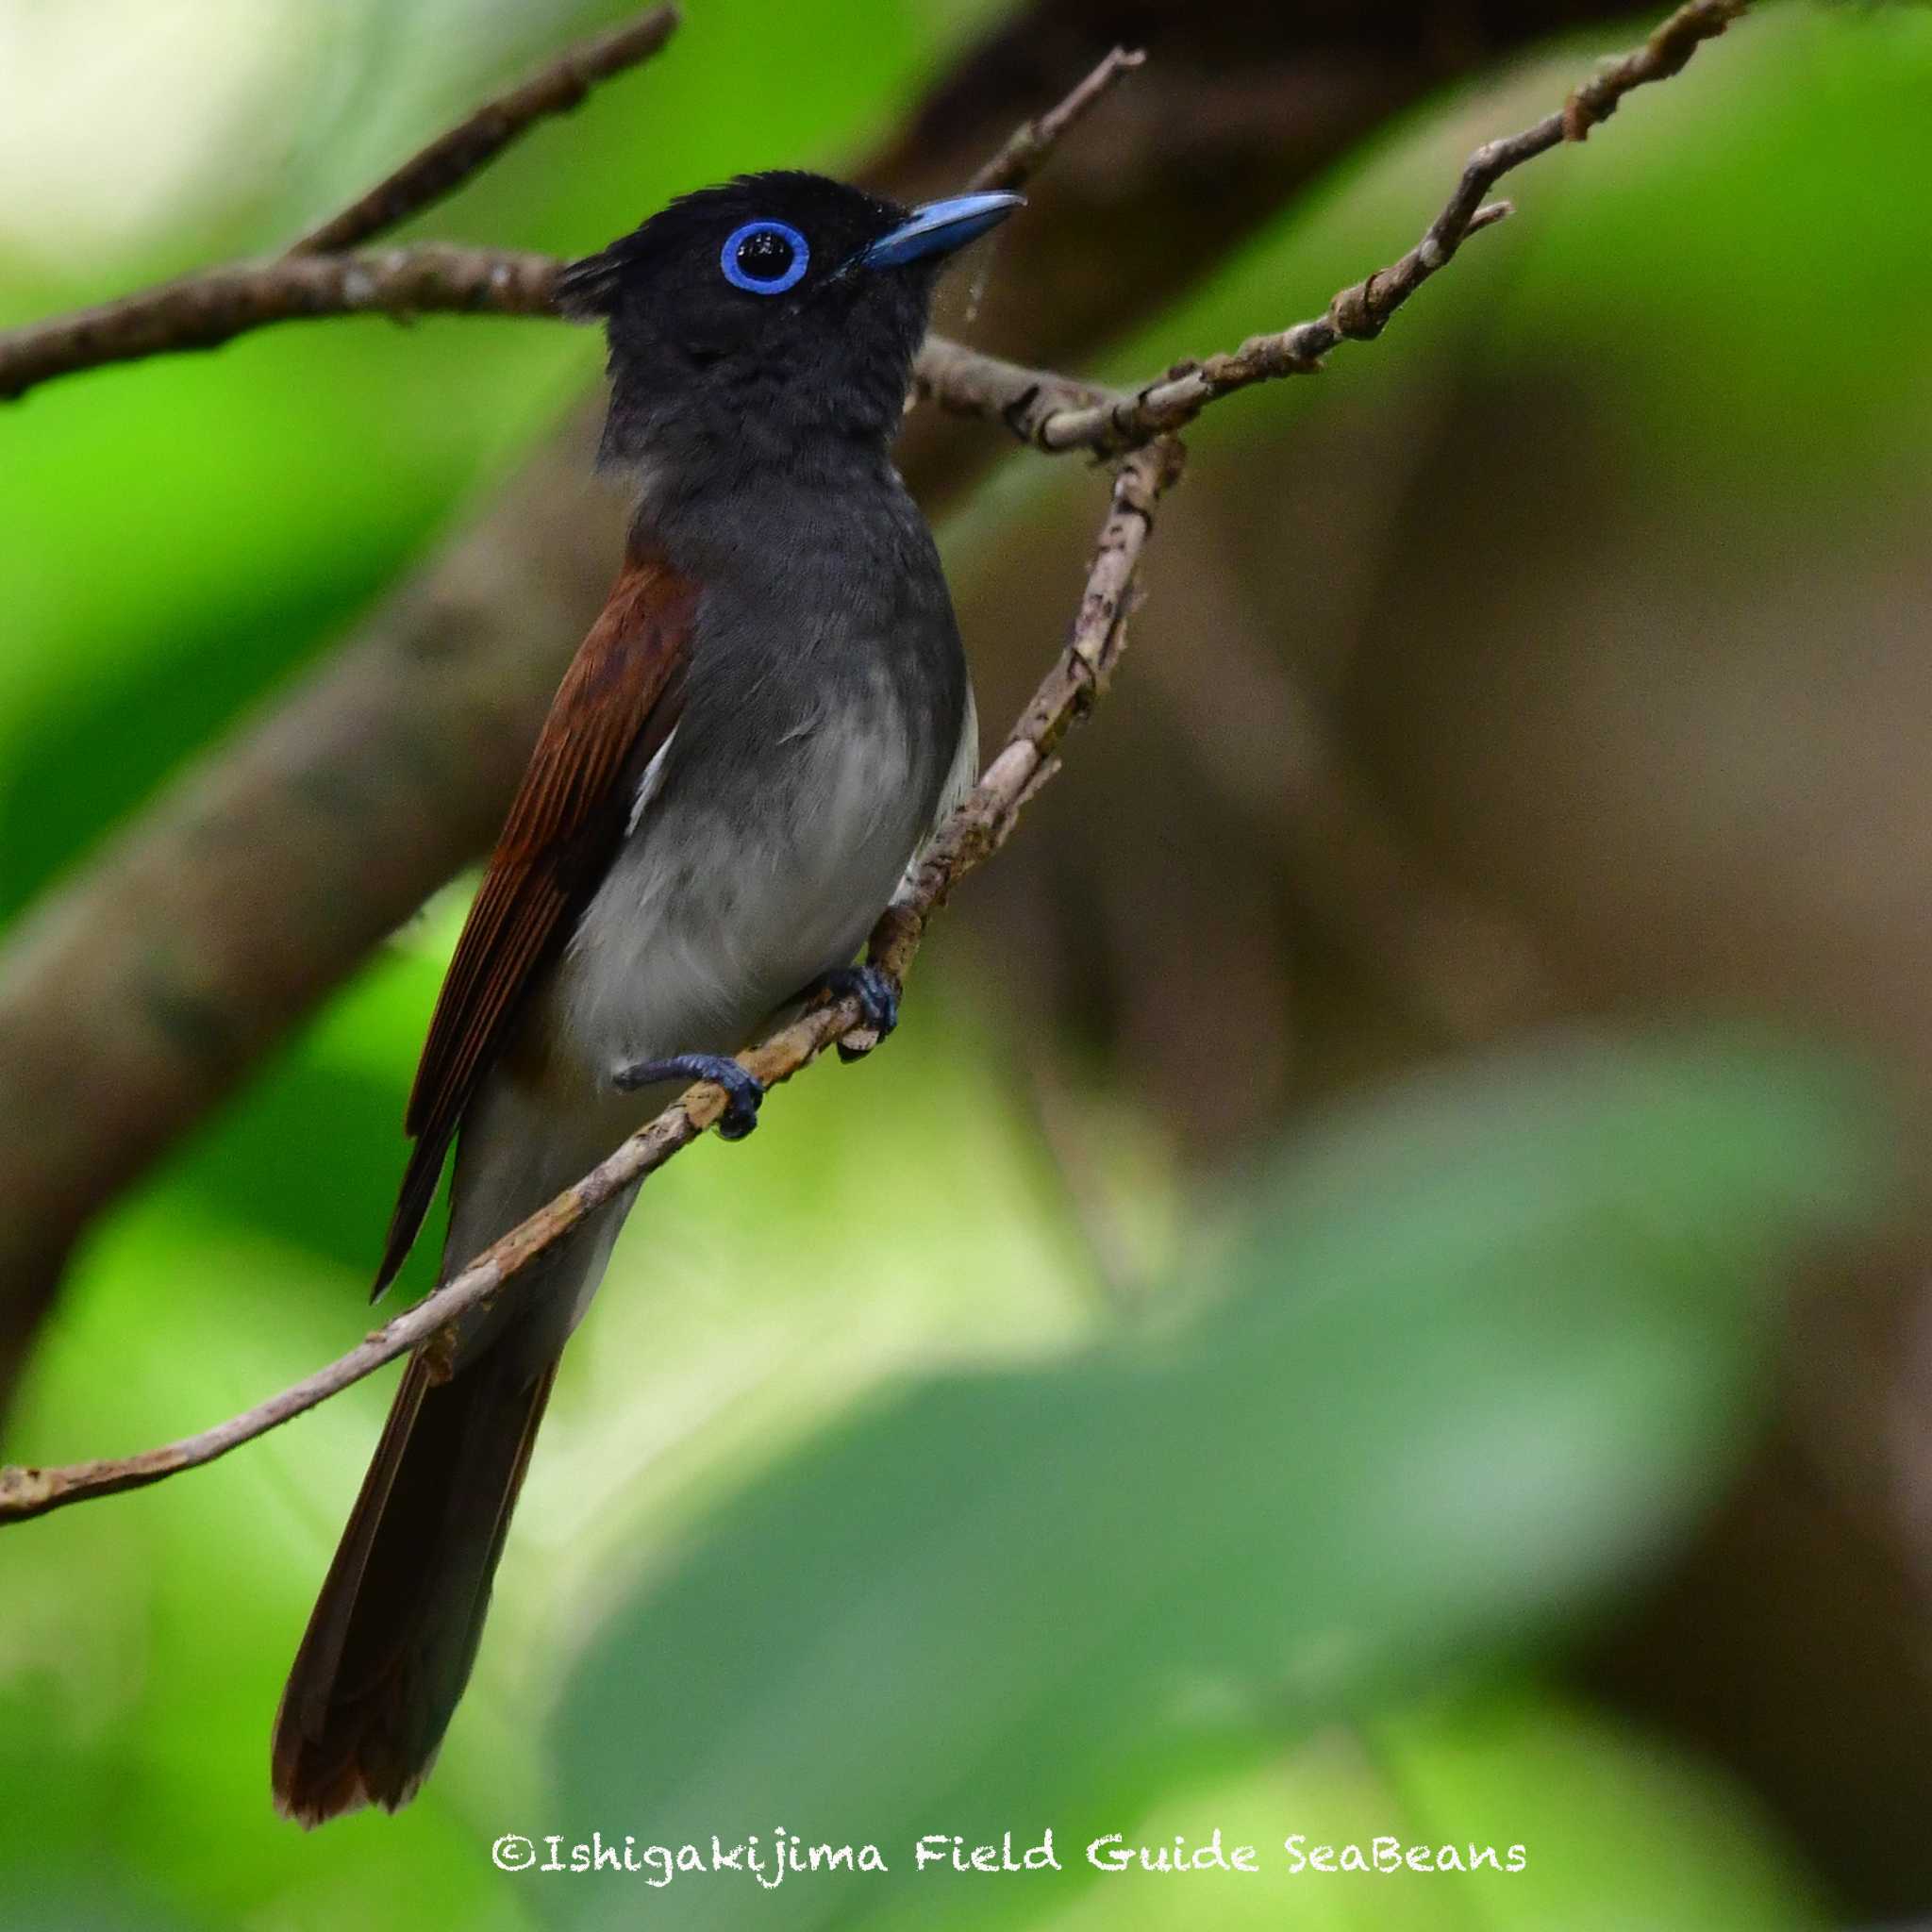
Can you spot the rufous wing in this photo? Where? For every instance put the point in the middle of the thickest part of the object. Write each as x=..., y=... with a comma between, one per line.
x=618, y=703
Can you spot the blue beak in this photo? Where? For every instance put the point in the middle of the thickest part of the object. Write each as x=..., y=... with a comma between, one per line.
x=939, y=228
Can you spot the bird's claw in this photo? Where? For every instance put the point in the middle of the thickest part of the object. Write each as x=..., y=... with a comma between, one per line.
x=743, y=1091
x=878, y=993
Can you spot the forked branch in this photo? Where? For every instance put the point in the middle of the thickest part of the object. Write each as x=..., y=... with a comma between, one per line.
x=1051, y=412
x=968, y=839
x=1048, y=411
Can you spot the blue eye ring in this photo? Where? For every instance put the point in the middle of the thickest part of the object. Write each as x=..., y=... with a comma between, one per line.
x=793, y=271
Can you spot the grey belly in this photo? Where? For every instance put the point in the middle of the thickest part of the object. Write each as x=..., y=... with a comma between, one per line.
x=697, y=934
x=704, y=926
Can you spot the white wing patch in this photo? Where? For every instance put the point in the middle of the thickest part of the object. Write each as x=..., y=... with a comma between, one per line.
x=964, y=775
x=961, y=779
x=649, y=785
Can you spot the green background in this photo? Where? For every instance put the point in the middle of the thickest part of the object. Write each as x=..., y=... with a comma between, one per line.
x=868, y=1511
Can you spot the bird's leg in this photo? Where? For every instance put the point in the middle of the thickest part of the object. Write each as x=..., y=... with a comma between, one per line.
x=878, y=993
x=743, y=1090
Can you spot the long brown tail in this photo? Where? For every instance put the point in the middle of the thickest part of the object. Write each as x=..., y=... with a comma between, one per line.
x=392, y=1639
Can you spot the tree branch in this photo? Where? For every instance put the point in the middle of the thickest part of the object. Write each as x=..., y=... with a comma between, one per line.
x=215, y=305
x=449, y=160
x=316, y=280
x=967, y=840
x=134, y=996
x=1361, y=312
x=316, y=276
x=1030, y=143
x=1045, y=411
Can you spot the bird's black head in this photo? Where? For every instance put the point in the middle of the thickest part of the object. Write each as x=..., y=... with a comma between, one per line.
x=756, y=319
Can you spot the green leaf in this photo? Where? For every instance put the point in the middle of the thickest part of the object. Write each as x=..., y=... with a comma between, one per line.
x=1477, y=1354
x=1590, y=1825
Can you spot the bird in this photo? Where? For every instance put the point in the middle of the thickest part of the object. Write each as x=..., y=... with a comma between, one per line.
x=763, y=728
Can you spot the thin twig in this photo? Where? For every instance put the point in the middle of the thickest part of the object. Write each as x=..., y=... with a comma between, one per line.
x=465, y=655
x=964, y=843
x=1049, y=412
x=1172, y=400
x=449, y=160
x=1033, y=140
x=1359, y=312
x=316, y=276
x=204, y=310
x=1053, y=414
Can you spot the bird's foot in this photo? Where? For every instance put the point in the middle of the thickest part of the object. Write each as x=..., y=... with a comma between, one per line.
x=878, y=993
x=743, y=1090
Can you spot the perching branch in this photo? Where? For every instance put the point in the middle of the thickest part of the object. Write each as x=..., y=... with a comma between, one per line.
x=134, y=995
x=1362, y=311
x=213, y=307
x=1053, y=414
x=317, y=278
x=1047, y=412
x=967, y=840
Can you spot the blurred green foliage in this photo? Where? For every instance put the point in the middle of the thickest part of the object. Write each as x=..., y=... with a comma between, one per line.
x=1288, y=1559
x=1005, y=1600
x=178, y=540
x=1730, y=263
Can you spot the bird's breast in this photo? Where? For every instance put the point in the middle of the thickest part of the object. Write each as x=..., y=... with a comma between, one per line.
x=746, y=872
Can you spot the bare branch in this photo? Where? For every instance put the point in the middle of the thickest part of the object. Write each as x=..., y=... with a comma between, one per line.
x=1361, y=312
x=203, y=311
x=1052, y=414
x=316, y=278
x=964, y=843
x=258, y=863
x=969, y=382
x=1048, y=411
x=1056, y=415
x=1031, y=143
x=449, y=160
x=213, y=305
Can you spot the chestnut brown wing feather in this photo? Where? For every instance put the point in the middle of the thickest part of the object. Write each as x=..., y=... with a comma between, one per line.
x=617, y=705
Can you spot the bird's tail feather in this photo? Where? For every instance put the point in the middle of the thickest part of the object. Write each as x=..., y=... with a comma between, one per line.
x=393, y=1634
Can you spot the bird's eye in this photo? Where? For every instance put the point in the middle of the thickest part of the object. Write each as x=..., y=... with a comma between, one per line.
x=764, y=257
